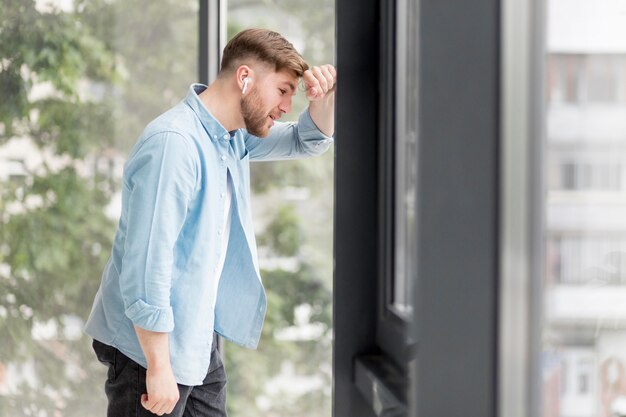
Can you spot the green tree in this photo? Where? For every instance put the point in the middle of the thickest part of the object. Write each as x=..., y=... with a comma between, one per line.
x=109, y=67
x=156, y=55
x=54, y=235
x=249, y=372
x=283, y=235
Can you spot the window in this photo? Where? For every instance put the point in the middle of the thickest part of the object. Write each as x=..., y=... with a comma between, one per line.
x=584, y=379
x=291, y=371
x=597, y=260
x=405, y=175
x=603, y=78
x=564, y=78
x=593, y=78
x=577, y=176
x=398, y=182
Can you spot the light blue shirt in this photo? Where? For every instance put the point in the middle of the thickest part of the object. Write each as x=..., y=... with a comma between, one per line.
x=161, y=274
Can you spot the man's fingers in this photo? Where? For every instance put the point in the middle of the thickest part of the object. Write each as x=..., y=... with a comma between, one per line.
x=150, y=404
x=332, y=71
x=321, y=79
x=310, y=80
x=170, y=408
x=158, y=407
x=161, y=409
x=146, y=403
x=330, y=79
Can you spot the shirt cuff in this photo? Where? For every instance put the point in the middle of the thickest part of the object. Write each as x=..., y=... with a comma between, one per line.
x=308, y=130
x=149, y=317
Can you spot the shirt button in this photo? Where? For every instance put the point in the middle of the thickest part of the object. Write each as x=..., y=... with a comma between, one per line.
x=225, y=136
x=214, y=136
x=222, y=195
x=223, y=157
x=219, y=233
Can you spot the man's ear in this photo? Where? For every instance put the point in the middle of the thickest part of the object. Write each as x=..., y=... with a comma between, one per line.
x=243, y=72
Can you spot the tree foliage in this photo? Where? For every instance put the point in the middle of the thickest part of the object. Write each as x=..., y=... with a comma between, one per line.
x=54, y=235
x=75, y=83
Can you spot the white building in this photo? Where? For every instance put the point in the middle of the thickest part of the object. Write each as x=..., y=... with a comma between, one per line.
x=585, y=282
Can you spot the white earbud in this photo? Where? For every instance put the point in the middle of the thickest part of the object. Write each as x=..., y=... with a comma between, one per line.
x=245, y=85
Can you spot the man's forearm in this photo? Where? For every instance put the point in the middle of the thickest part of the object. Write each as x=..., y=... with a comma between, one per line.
x=323, y=113
x=163, y=393
x=155, y=346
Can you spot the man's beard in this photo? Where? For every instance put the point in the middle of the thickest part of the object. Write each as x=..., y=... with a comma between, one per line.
x=253, y=115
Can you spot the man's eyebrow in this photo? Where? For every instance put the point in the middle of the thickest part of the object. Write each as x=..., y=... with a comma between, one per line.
x=291, y=85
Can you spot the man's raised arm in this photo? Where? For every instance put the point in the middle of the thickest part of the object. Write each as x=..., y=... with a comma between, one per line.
x=320, y=91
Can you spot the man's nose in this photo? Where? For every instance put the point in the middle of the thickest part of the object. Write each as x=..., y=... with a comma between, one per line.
x=285, y=106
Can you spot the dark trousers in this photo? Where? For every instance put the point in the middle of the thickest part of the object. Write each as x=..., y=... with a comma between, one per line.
x=126, y=381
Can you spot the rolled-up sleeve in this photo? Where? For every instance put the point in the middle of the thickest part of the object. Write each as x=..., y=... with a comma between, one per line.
x=159, y=180
x=289, y=141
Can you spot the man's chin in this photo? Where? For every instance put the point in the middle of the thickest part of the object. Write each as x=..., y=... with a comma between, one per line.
x=261, y=133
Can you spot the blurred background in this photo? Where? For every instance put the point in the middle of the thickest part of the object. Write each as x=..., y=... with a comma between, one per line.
x=583, y=332
x=78, y=82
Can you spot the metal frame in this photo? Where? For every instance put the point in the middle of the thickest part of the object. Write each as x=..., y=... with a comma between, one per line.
x=456, y=314
x=355, y=295
x=211, y=43
x=522, y=247
x=392, y=331
x=458, y=209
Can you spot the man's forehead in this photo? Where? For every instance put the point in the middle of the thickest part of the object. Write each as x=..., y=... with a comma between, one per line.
x=288, y=79
x=284, y=76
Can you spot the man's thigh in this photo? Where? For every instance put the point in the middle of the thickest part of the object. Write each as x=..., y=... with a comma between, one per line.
x=126, y=381
x=209, y=399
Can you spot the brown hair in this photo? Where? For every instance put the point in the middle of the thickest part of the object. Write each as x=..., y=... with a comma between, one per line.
x=263, y=45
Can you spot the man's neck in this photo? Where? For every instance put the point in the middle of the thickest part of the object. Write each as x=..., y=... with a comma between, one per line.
x=224, y=102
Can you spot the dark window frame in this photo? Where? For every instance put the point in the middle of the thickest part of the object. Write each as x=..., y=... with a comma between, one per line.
x=393, y=331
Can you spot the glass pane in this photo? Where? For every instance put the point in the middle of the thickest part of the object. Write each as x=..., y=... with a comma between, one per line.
x=290, y=374
x=584, y=327
x=405, y=248
x=78, y=82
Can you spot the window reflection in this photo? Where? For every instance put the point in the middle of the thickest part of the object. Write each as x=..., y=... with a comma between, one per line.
x=405, y=141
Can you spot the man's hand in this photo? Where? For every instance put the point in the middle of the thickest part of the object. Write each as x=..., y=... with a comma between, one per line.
x=161, y=385
x=162, y=393
x=318, y=81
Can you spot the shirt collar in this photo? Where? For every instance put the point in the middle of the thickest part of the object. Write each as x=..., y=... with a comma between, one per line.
x=211, y=125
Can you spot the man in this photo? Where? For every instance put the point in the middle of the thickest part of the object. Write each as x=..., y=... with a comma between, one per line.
x=184, y=263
